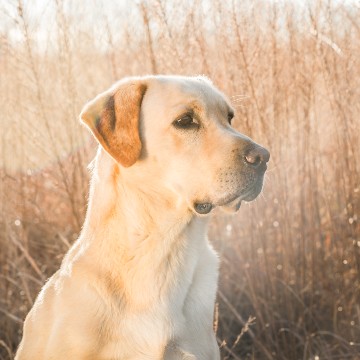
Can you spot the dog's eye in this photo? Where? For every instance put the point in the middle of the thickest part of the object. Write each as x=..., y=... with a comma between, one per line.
x=230, y=117
x=186, y=122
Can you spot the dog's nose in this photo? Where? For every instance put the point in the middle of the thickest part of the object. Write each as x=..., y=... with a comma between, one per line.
x=257, y=156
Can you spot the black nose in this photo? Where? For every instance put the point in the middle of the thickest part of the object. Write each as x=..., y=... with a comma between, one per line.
x=256, y=156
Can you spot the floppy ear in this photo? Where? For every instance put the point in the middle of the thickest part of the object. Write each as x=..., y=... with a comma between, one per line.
x=113, y=118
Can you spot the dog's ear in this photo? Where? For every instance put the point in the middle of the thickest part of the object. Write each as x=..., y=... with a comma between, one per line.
x=113, y=118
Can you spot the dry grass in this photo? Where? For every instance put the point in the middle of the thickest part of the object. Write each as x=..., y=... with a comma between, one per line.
x=291, y=260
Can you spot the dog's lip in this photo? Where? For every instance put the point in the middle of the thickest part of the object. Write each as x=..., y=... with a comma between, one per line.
x=228, y=200
x=232, y=201
x=232, y=206
x=244, y=195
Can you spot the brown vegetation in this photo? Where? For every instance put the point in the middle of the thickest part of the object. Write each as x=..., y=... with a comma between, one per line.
x=290, y=260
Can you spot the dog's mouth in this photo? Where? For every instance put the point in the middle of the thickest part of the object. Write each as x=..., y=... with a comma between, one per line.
x=232, y=202
x=234, y=205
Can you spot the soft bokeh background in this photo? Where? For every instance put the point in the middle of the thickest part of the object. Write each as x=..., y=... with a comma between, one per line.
x=290, y=274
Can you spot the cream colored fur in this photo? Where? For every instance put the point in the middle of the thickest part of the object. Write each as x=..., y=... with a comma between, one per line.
x=140, y=282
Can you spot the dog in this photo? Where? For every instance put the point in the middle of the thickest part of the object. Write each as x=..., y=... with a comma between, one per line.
x=141, y=280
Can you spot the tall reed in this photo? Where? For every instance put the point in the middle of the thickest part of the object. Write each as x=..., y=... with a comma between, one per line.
x=290, y=274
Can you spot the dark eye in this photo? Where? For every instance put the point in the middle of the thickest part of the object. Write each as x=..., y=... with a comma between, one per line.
x=230, y=117
x=186, y=122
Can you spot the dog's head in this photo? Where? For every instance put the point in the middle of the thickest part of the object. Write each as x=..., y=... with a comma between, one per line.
x=175, y=133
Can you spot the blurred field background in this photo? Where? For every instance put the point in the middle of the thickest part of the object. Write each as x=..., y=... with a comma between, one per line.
x=290, y=274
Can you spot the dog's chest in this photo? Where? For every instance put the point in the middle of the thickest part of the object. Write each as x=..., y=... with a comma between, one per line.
x=182, y=294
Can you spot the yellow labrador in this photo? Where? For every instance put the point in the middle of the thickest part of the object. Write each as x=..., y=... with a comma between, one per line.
x=140, y=282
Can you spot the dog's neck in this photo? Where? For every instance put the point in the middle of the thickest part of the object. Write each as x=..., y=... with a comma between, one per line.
x=134, y=223
x=117, y=195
